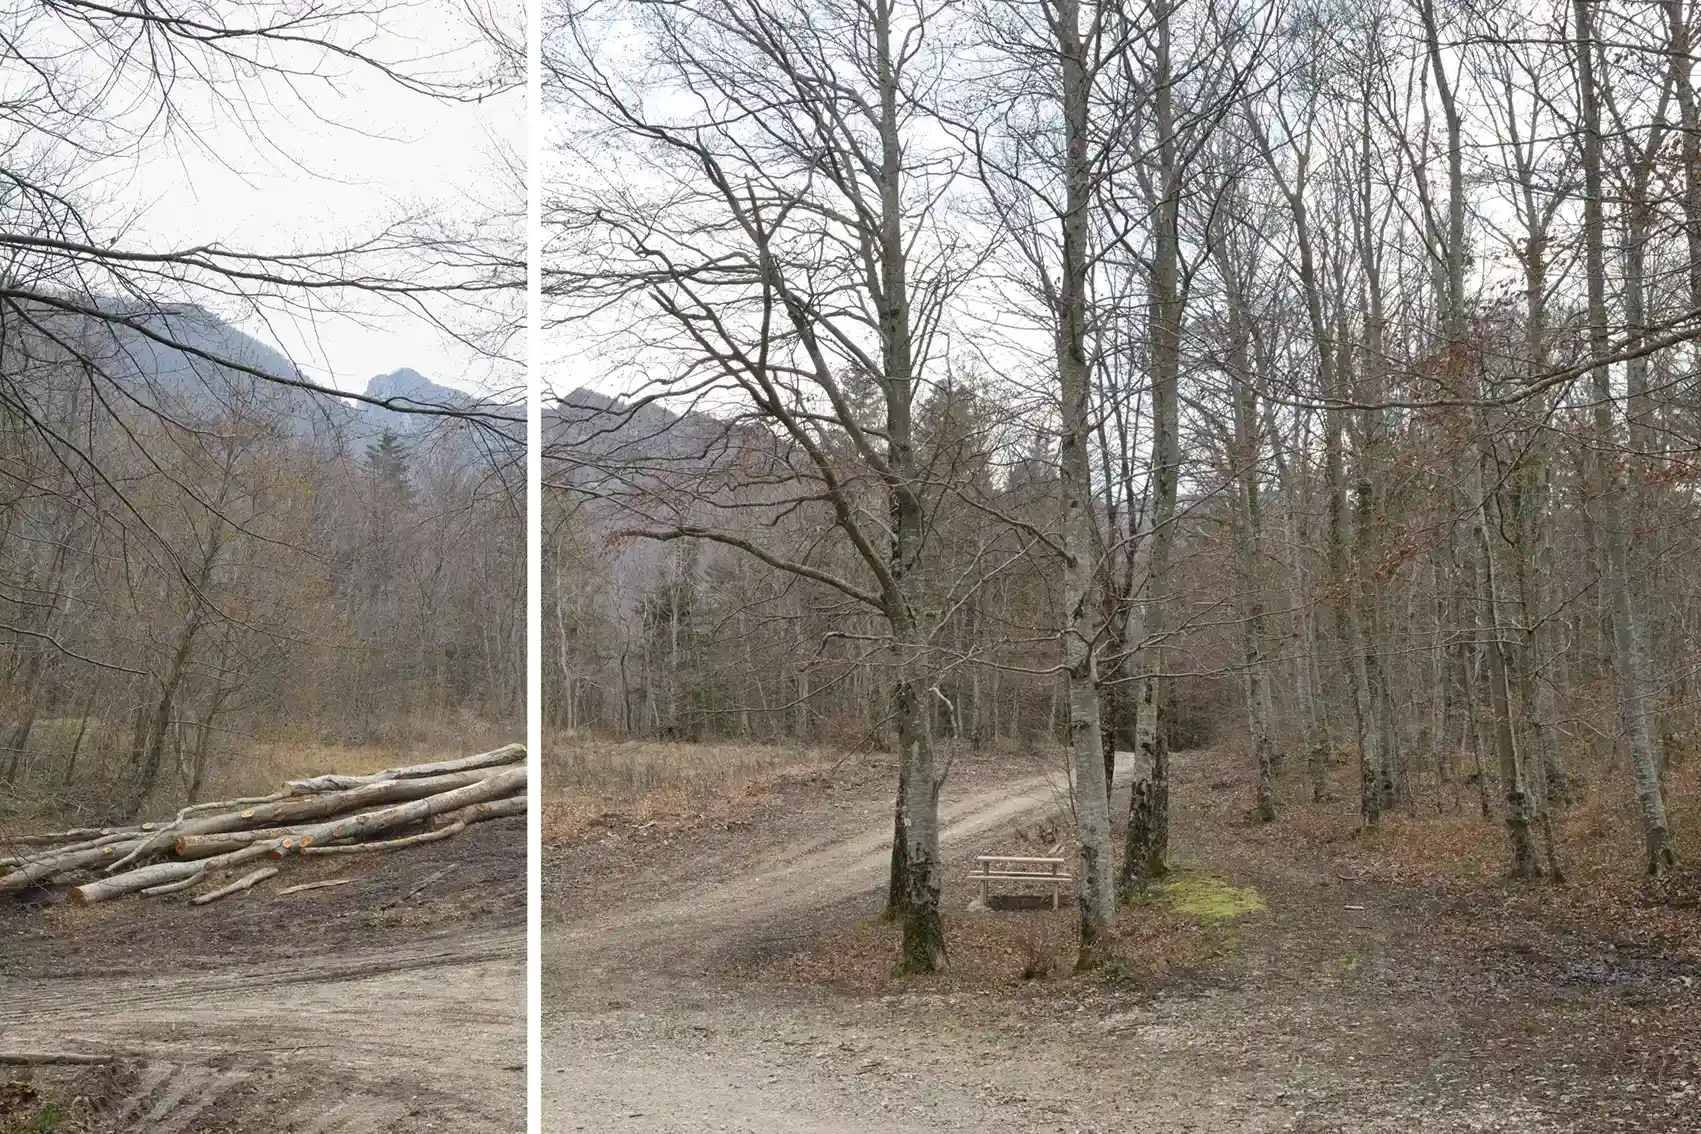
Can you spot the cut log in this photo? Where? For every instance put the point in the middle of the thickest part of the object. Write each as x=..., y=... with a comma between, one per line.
x=67, y=848
x=479, y=812
x=76, y=834
x=160, y=873
x=450, y=831
x=39, y=1058
x=228, y=804
x=325, y=885
x=454, y=822
x=247, y=881
x=422, y=803
x=188, y=883
x=205, y=846
x=496, y=757
x=506, y=782
x=289, y=811
x=47, y=866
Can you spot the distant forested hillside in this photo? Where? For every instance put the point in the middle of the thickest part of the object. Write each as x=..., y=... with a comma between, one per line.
x=193, y=555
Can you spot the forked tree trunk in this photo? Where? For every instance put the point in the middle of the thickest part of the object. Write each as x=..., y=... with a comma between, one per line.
x=1520, y=809
x=1630, y=661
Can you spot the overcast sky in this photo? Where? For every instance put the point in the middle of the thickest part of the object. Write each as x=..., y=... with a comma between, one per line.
x=367, y=152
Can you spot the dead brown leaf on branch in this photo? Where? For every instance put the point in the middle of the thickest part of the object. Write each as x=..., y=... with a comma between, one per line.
x=329, y=814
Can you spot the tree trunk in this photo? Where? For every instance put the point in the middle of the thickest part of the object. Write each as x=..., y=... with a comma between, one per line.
x=924, y=932
x=1094, y=894
x=1629, y=641
x=1147, y=844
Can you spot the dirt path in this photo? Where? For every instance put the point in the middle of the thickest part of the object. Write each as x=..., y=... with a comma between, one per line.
x=335, y=1027
x=639, y=1037
x=686, y=930
x=1345, y=1008
x=420, y=1037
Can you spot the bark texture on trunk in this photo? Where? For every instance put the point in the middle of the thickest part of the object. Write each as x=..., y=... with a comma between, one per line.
x=1147, y=845
x=1095, y=895
x=1629, y=640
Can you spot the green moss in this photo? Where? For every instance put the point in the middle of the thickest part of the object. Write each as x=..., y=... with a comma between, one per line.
x=1207, y=898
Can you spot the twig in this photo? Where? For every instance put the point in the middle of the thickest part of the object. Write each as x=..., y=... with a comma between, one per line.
x=242, y=883
x=313, y=885
x=34, y=1058
x=188, y=883
x=422, y=885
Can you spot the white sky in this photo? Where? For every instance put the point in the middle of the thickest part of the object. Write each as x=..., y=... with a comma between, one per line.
x=368, y=152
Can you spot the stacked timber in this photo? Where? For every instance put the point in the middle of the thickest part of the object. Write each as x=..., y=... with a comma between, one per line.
x=325, y=815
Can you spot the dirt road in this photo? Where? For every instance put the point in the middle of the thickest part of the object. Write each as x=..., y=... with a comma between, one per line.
x=638, y=1036
x=1345, y=1008
x=426, y=1036
x=688, y=928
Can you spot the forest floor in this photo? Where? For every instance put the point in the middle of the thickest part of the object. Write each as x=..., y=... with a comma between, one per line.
x=725, y=970
x=393, y=1004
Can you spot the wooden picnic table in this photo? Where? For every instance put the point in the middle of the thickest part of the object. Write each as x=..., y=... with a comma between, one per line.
x=1020, y=868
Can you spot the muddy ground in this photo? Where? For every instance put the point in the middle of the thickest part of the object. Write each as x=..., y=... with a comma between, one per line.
x=394, y=1003
x=705, y=978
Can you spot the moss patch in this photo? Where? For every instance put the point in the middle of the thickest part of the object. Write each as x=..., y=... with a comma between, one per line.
x=1207, y=898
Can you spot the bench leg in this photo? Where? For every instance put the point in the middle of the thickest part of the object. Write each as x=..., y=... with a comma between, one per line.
x=983, y=891
x=1056, y=890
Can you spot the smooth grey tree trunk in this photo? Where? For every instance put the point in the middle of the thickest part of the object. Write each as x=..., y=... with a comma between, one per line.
x=1146, y=848
x=1095, y=894
x=1630, y=661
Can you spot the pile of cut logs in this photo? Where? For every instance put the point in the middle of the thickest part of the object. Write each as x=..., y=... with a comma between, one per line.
x=326, y=815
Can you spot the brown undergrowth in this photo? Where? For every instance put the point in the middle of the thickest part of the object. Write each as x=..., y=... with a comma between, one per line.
x=1441, y=843
x=54, y=1099
x=592, y=784
x=1014, y=951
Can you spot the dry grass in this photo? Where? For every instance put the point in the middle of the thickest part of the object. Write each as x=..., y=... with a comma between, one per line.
x=257, y=766
x=250, y=768
x=587, y=779
x=262, y=765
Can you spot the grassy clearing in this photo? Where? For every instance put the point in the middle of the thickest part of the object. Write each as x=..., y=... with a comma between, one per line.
x=264, y=764
x=586, y=779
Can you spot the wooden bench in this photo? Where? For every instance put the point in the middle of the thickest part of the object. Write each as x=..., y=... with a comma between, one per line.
x=1018, y=868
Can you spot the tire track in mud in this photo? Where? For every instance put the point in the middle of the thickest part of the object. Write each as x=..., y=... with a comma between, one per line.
x=426, y=1035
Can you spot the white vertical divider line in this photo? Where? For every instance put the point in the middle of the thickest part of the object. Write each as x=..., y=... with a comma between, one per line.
x=534, y=565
